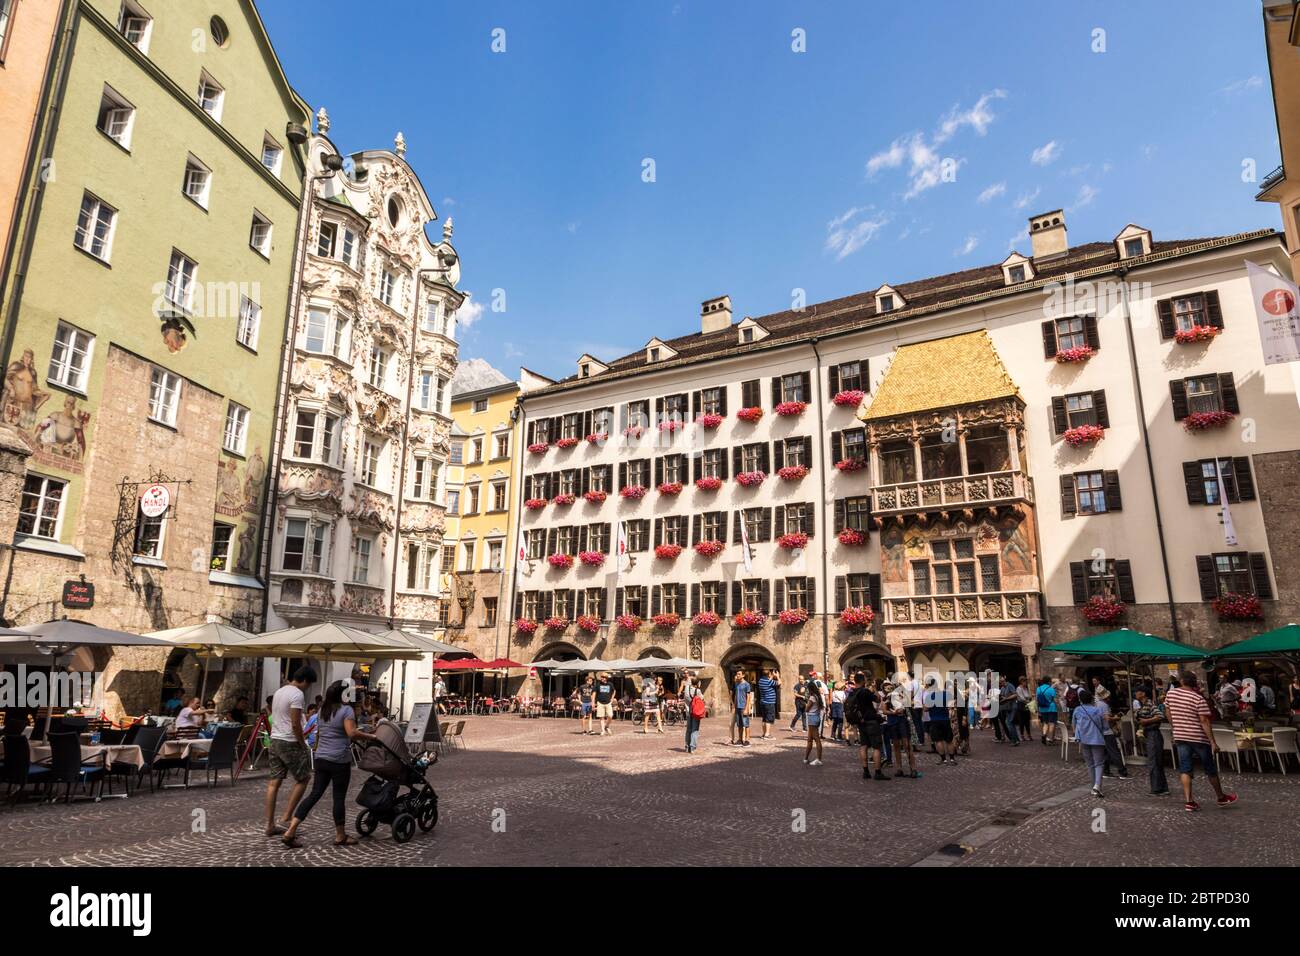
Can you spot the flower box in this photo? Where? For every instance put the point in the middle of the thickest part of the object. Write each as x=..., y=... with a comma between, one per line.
x=634, y=431
x=560, y=560
x=535, y=504
x=628, y=622
x=851, y=537
x=709, y=421
x=667, y=552
x=595, y=497
x=556, y=623
x=857, y=618
x=708, y=484
x=750, y=415
x=525, y=625
x=793, y=541
x=706, y=619
x=708, y=549
x=672, y=425
x=792, y=472
x=596, y=438
x=666, y=622
x=793, y=615
x=1083, y=435
x=592, y=559
x=850, y=397
x=1238, y=607
x=564, y=499
x=851, y=464
x=539, y=447
x=746, y=620
x=1204, y=421
x=1196, y=334
x=566, y=443
x=670, y=488
x=1102, y=610
x=632, y=491
x=589, y=623
x=791, y=409
x=751, y=479
x=1079, y=353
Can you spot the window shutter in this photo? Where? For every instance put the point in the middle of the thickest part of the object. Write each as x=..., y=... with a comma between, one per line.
x=810, y=590
x=811, y=524
x=587, y=422
x=659, y=410
x=618, y=602
x=722, y=526
x=1068, y=504
x=622, y=475
x=778, y=453
x=1090, y=331
x=548, y=604
x=841, y=518
x=550, y=540
x=1213, y=311
x=622, y=416
x=735, y=528
x=1165, y=308
x=604, y=600
x=779, y=606
x=1049, y=339
x=765, y=596
x=1178, y=398
x=776, y=390
x=873, y=582
x=532, y=432
x=841, y=593
x=807, y=387
x=659, y=531
x=1228, y=392
x=765, y=458
x=656, y=599
x=722, y=464
x=807, y=449
x=1099, y=406
x=722, y=400
x=834, y=374
x=582, y=538
x=738, y=459
x=1113, y=500
x=1060, y=421
x=765, y=524
x=736, y=596
x=579, y=603
x=780, y=520
x=659, y=471
x=1078, y=582
x=519, y=604
x=837, y=447
x=1245, y=482
x=695, y=598
x=1195, y=486
x=1124, y=577
x=1205, y=572
x=1259, y=575
x=695, y=404
x=696, y=460
x=696, y=525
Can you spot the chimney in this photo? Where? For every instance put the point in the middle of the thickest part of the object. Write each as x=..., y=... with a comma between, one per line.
x=715, y=314
x=1047, y=235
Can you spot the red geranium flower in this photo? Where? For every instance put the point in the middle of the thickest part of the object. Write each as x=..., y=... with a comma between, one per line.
x=1238, y=607
x=790, y=409
x=749, y=619
x=556, y=623
x=538, y=447
x=852, y=538
x=851, y=397
x=793, y=541
x=628, y=622
x=851, y=464
x=1079, y=353
x=1083, y=435
x=1102, y=610
x=666, y=621
x=566, y=443
x=793, y=615
x=750, y=415
x=792, y=472
x=596, y=497
x=708, y=484
x=751, y=479
x=706, y=619
x=633, y=491
x=857, y=618
x=589, y=623
x=667, y=551
x=525, y=625
x=708, y=548
x=670, y=488
x=593, y=559
x=563, y=499
x=1197, y=333
x=560, y=560
x=535, y=504
x=1201, y=421
x=709, y=421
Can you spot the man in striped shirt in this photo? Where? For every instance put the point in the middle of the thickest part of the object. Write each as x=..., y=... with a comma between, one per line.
x=1189, y=714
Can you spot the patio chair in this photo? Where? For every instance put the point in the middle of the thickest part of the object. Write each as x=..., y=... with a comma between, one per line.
x=1227, y=741
x=1068, y=738
x=444, y=736
x=1283, y=746
x=457, y=734
x=132, y=733
x=17, y=770
x=221, y=756
x=71, y=725
x=67, y=767
x=110, y=736
x=149, y=740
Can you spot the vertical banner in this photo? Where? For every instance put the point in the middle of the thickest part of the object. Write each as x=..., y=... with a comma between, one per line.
x=1278, y=315
x=1229, y=532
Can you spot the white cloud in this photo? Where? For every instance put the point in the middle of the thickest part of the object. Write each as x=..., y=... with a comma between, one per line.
x=1087, y=194
x=968, y=246
x=991, y=193
x=605, y=351
x=1024, y=199
x=448, y=201
x=850, y=231
x=1018, y=238
x=978, y=117
x=512, y=351
x=1047, y=153
x=469, y=313
x=889, y=159
x=1242, y=86
x=572, y=227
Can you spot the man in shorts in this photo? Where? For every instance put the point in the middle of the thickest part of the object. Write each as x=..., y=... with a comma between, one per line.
x=586, y=699
x=768, y=686
x=650, y=705
x=289, y=753
x=742, y=700
x=870, y=735
x=940, y=726
x=604, y=691
x=1189, y=715
x=899, y=727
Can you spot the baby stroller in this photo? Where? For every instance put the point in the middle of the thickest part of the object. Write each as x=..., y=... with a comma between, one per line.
x=393, y=767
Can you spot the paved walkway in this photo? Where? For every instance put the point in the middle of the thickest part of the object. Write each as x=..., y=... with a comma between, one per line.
x=536, y=792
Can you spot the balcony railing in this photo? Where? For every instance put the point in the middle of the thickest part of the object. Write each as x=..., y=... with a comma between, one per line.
x=1271, y=180
x=980, y=607
x=960, y=491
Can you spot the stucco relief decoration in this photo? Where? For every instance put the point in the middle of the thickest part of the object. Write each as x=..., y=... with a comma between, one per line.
x=362, y=600
x=422, y=519
x=372, y=508
x=416, y=607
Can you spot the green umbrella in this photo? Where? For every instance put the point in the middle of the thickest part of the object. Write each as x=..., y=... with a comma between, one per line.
x=1284, y=642
x=1128, y=647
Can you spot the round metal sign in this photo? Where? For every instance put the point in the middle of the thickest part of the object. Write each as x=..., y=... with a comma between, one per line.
x=154, y=501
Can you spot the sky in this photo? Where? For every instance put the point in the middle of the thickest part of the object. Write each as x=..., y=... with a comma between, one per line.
x=610, y=165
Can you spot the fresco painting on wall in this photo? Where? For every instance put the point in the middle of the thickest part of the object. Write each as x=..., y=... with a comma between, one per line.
x=59, y=439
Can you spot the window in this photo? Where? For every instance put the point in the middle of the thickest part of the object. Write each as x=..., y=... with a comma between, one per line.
x=1070, y=333
x=1079, y=410
x=495, y=554
x=1203, y=481
x=859, y=588
x=566, y=540
x=675, y=408
x=421, y=567
x=1133, y=247
x=501, y=443
x=638, y=415
x=852, y=377
x=674, y=468
x=795, y=452
x=751, y=395
x=148, y=536
x=585, y=370
x=747, y=335
x=394, y=210
x=220, y=32
x=711, y=596
x=886, y=303
x=1232, y=573
x=334, y=241
x=851, y=444
x=236, y=434
x=1091, y=492
x=70, y=357
x=755, y=520
x=713, y=463
x=250, y=322
x=713, y=526
x=361, y=549
x=327, y=333
x=448, y=558
x=672, y=530
x=476, y=451
x=793, y=388
x=390, y=289
x=467, y=550
x=1189, y=310
x=457, y=455
x=673, y=598
x=197, y=183
x=95, y=225
x=897, y=463
x=315, y=435
x=370, y=452
x=211, y=96
x=259, y=236
x=571, y=425
x=939, y=458
x=326, y=238
x=638, y=473
x=952, y=565
x=453, y=502
x=434, y=319
x=222, y=537
x=480, y=406
x=378, y=367
x=489, y=612
x=796, y=593
x=638, y=534
x=182, y=273
x=752, y=457
x=272, y=154
x=1100, y=579
x=472, y=502
x=654, y=354
x=116, y=117
x=990, y=573
x=713, y=401
x=532, y=605
x=536, y=543
x=857, y=514
x=751, y=596
x=921, y=578
x=634, y=601
x=1203, y=394
x=599, y=478
x=136, y=25
x=498, y=496
x=41, y=506
x=1017, y=273
x=799, y=518
x=598, y=537
x=164, y=392
x=420, y=476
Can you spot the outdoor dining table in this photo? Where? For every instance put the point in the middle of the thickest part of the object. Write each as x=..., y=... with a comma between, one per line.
x=109, y=753
x=183, y=748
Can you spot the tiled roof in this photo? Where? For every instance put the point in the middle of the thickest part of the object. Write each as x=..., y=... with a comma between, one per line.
x=922, y=297
x=957, y=370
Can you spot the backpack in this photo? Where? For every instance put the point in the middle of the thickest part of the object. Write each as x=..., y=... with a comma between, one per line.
x=1043, y=703
x=698, y=707
x=1072, y=697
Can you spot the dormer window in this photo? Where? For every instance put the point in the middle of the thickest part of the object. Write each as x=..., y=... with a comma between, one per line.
x=1017, y=269
x=1132, y=247
x=654, y=355
x=886, y=303
x=1017, y=273
x=1133, y=241
x=746, y=335
x=584, y=370
x=889, y=299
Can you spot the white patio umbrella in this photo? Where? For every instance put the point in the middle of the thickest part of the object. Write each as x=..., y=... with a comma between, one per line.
x=426, y=645
x=208, y=640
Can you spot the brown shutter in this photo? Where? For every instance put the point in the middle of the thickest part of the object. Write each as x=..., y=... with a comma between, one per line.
x=736, y=595
x=841, y=518
x=1078, y=582
x=841, y=593
x=552, y=535
x=582, y=538
x=765, y=596
x=1178, y=398
x=1245, y=482
x=697, y=523
x=618, y=602
x=695, y=404
x=1110, y=480
x=1124, y=577
x=1049, y=339
x=779, y=604
x=1228, y=392
x=1259, y=574
x=765, y=458
x=738, y=459
x=695, y=599
x=810, y=525
x=659, y=472
x=1205, y=572
x=722, y=526
x=776, y=390
x=1060, y=421
x=807, y=387
x=780, y=519
x=722, y=464
x=722, y=400
x=579, y=602
x=778, y=453
x=1195, y=484
x=1165, y=309
x=1099, y=406
x=697, y=459
x=807, y=450
x=739, y=516
x=1068, y=505
x=1213, y=311
x=656, y=599
x=834, y=378
x=837, y=447
x=810, y=594
x=519, y=604
x=548, y=604
x=622, y=475
x=765, y=524
x=1090, y=332
x=659, y=531
x=873, y=583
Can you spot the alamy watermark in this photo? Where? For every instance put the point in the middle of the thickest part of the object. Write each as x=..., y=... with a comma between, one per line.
x=38, y=688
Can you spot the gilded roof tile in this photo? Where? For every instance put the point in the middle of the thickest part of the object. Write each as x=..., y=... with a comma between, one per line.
x=956, y=370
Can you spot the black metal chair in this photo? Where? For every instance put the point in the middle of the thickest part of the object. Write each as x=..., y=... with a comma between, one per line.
x=67, y=767
x=17, y=771
x=112, y=737
x=220, y=756
x=149, y=740
x=131, y=733
x=70, y=725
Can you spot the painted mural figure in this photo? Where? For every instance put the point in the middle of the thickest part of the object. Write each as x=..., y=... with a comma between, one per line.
x=64, y=432
x=244, y=565
x=230, y=495
x=893, y=559
x=1015, y=546
x=23, y=395
x=254, y=475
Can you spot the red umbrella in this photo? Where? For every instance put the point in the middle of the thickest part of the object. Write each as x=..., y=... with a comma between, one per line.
x=463, y=664
x=501, y=663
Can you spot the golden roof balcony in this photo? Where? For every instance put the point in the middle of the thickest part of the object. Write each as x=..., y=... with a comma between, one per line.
x=953, y=494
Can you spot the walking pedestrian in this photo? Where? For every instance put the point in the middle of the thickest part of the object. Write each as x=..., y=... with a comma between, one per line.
x=288, y=748
x=1114, y=755
x=650, y=706
x=1045, y=697
x=768, y=686
x=861, y=710
x=941, y=726
x=587, y=701
x=1024, y=706
x=800, y=690
x=1150, y=714
x=899, y=728
x=1189, y=715
x=741, y=701
x=604, y=692
x=1089, y=728
x=693, y=711
x=1008, y=704
x=838, y=696
x=815, y=710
